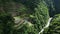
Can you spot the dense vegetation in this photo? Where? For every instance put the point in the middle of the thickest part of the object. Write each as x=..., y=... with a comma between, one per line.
x=54, y=27
x=29, y=16
x=6, y=24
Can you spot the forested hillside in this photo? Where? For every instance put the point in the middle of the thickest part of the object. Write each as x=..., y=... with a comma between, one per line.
x=29, y=16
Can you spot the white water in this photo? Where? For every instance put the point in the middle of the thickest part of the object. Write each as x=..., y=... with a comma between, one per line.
x=47, y=25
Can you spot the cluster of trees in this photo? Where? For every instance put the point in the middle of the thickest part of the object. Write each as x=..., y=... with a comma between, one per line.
x=34, y=13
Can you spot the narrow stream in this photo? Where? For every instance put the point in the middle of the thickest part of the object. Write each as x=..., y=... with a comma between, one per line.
x=48, y=23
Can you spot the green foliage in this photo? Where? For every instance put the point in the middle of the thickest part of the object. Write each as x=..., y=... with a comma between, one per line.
x=54, y=27
x=27, y=28
x=6, y=24
x=41, y=14
x=36, y=12
x=29, y=3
